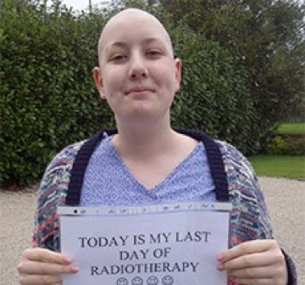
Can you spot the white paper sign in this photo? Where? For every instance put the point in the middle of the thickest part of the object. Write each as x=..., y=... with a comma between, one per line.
x=172, y=244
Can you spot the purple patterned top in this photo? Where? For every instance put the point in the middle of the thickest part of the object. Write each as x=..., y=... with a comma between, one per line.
x=108, y=182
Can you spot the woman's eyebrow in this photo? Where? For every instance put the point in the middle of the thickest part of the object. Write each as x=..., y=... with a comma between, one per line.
x=116, y=44
x=150, y=40
x=125, y=45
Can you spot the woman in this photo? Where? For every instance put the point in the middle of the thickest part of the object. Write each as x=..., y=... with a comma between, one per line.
x=146, y=161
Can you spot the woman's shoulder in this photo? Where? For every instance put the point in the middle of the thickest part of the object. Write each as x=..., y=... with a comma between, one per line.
x=58, y=171
x=235, y=161
x=65, y=156
x=231, y=155
x=228, y=150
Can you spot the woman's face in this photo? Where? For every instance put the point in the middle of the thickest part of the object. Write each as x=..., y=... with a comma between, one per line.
x=138, y=75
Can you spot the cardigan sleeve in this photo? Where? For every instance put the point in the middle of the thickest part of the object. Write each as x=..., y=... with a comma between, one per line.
x=245, y=191
x=239, y=168
x=52, y=193
x=265, y=229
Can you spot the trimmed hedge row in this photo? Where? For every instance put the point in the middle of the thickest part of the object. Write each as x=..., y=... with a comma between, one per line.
x=47, y=95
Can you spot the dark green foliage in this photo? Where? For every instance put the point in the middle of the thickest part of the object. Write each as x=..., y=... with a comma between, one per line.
x=287, y=145
x=267, y=39
x=47, y=94
x=215, y=95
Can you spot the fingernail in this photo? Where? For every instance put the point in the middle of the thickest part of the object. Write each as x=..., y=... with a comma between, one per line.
x=68, y=260
x=74, y=269
x=220, y=257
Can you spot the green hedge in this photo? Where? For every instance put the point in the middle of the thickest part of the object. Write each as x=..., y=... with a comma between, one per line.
x=215, y=96
x=47, y=95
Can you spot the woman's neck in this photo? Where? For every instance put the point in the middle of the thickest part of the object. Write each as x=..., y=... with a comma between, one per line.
x=144, y=140
x=150, y=154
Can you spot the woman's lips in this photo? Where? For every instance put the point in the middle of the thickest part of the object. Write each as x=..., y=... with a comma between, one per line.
x=139, y=90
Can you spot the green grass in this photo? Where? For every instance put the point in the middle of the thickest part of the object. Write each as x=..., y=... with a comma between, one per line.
x=293, y=128
x=279, y=166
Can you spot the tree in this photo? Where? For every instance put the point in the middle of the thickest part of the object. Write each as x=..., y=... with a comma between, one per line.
x=267, y=36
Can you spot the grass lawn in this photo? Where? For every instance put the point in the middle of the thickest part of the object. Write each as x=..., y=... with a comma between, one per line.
x=279, y=166
x=294, y=128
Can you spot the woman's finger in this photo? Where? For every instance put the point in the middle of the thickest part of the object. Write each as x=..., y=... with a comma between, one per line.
x=246, y=248
x=45, y=255
x=262, y=259
x=41, y=268
x=40, y=280
x=255, y=273
x=254, y=281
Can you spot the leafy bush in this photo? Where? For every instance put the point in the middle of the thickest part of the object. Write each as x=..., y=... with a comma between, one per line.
x=215, y=96
x=280, y=145
x=47, y=95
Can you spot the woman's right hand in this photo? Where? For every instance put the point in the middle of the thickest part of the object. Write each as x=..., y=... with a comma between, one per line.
x=40, y=266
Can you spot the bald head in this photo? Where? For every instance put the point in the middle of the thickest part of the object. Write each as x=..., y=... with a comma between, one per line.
x=132, y=19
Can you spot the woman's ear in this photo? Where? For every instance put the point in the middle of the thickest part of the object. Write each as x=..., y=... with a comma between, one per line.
x=98, y=80
x=178, y=67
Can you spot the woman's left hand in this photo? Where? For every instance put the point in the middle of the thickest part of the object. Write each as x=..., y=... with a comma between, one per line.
x=258, y=262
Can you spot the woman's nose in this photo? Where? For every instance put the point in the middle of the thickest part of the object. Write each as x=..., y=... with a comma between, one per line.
x=138, y=68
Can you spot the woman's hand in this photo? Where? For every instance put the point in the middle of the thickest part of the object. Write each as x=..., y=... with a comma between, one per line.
x=41, y=266
x=259, y=262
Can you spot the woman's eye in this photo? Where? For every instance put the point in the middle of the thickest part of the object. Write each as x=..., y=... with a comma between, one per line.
x=154, y=53
x=118, y=57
